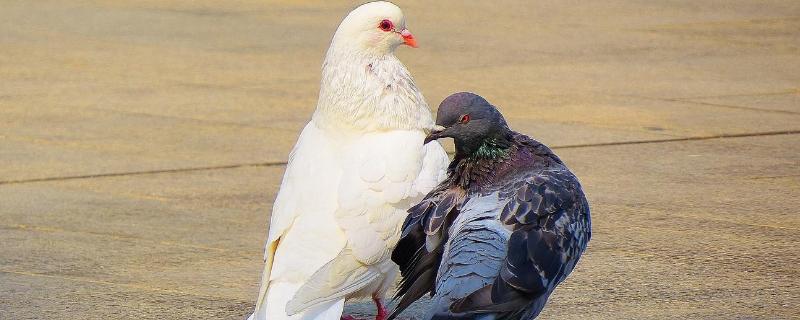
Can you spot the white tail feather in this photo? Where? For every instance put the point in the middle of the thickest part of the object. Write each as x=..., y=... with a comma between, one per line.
x=338, y=278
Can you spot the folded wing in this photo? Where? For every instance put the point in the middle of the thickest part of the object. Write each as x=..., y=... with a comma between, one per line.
x=548, y=214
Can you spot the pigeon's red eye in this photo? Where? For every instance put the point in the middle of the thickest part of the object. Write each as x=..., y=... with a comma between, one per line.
x=386, y=25
x=464, y=119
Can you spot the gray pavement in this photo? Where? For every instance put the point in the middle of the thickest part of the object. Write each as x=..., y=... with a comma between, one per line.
x=142, y=144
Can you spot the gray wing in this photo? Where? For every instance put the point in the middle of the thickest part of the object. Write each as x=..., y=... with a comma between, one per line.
x=549, y=216
x=474, y=254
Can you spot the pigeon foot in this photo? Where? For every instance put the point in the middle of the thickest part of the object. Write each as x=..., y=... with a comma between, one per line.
x=382, y=312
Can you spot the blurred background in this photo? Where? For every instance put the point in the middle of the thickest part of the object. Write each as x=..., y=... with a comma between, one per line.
x=142, y=143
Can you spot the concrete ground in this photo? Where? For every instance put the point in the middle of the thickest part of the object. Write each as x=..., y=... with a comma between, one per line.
x=142, y=144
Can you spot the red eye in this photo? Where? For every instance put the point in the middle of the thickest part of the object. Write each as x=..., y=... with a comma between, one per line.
x=464, y=119
x=386, y=25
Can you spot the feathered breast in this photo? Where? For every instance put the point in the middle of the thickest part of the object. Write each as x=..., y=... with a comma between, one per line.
x=369, y=92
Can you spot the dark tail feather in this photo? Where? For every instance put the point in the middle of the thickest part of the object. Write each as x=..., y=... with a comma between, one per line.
x=462, y=316
x=481, y=297
x=450, y=316
x=417, y=290
x=480, y=302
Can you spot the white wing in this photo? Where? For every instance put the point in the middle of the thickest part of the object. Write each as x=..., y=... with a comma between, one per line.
x=383, y=175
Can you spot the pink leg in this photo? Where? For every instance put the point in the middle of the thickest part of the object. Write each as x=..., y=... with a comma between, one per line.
x=382, y=314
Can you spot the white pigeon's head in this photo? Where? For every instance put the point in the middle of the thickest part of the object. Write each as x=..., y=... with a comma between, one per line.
x=376, y=27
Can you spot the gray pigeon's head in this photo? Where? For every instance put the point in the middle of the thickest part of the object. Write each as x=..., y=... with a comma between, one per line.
x=470, y=120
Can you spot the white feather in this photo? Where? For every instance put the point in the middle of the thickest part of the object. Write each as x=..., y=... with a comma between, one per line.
x=355, y=170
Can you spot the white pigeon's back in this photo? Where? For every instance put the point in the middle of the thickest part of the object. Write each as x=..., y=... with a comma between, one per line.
x=300, y=229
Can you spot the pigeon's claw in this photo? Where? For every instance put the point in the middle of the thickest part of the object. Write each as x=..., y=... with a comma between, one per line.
x=382, y=312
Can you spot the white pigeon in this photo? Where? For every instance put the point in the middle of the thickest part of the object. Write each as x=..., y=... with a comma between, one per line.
x=358, y=165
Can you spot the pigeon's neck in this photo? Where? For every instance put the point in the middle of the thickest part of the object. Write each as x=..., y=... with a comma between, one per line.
x=364, y=91
x=491, y=149
x=493, y=146
x=482, y=163
x=495, y=159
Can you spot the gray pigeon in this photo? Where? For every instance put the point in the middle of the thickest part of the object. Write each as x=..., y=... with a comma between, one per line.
x=501, y=232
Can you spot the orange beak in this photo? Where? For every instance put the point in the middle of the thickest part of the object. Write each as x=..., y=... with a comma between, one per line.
x=408, y=38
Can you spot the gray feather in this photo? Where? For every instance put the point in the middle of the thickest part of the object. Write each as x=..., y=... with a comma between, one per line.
x=473, y=256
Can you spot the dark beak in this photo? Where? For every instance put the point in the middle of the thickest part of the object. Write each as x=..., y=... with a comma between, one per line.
x=436, y=133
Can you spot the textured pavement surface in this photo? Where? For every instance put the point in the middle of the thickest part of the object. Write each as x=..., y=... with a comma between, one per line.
x=142, y=143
